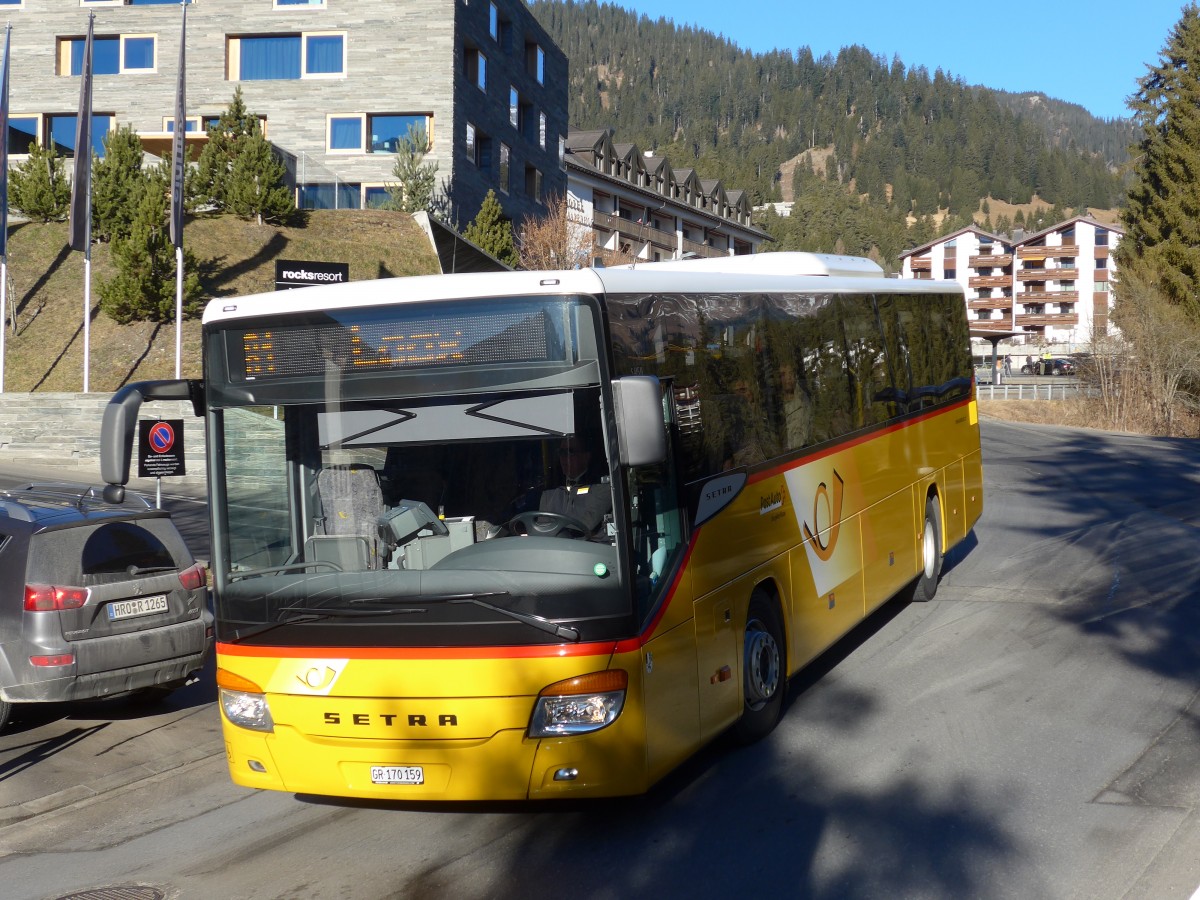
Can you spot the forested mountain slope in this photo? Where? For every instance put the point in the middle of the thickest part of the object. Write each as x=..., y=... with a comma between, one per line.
x=911, y=141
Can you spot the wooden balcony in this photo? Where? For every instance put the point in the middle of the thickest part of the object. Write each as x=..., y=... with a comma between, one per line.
x=1048, y=296
x=1064, y=274
x=921, y=263
x=1034, y=275
x=988, y=281
x=1004, y=325
x=702, y=249
x=1062, y=252
x=1060, y=320
x=1101, y=252
x=990, y=303
x=990, y=260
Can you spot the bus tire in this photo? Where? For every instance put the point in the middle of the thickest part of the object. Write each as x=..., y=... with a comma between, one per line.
x=764, y=670
x=5, y=712
x=931, y=553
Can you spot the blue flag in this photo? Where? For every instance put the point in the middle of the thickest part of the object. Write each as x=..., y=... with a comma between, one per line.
x=81, y=195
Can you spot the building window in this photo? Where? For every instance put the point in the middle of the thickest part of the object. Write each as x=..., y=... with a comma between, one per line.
x=345, y=134
x=61, y=129
x=494, y=21
x=533, y=183
x=386, y=131
x=535, y=62
x=190, y=124
x=22, y=133
x=375, y=196
x=324, y=54
x=12, y=2
x=514, y=107
x=328, y=195
x=562, y=152
x=502, y=172
x=287, y=56
x=475, y=68
x=293, y=3
x=542, y=130
x=127, y=54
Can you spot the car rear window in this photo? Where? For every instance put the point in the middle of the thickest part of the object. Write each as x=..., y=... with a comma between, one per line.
x=106, y=552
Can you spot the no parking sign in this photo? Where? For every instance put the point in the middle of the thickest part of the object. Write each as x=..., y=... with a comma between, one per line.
x=160, y=448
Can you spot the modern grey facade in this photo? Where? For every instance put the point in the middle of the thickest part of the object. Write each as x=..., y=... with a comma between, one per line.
x=336, y=82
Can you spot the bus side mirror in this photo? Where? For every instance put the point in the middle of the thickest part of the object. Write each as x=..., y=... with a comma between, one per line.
x=641, y=433
x=120, y=419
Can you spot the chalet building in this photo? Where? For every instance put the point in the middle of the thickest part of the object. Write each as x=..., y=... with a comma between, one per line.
x=636, y=204
x=1052, y=285
x=336, y=84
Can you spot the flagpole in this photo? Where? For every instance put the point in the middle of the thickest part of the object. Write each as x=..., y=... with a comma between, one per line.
x=4, y=74
x=178, y=164
x=81, y=194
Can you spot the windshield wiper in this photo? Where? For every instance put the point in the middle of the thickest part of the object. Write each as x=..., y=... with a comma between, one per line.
x=565, y=632
x=306, y=614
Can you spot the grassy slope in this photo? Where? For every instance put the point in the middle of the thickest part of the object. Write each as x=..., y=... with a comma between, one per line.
x=46, y=288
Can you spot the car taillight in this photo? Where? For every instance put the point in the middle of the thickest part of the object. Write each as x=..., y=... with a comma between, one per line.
x=61, y=659
x=48, y=597
x=195, y=577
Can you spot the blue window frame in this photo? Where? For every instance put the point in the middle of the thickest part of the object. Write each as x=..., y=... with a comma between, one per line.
x=61, y=130
x=324, y=54
x=270, y=58
x=299, y=2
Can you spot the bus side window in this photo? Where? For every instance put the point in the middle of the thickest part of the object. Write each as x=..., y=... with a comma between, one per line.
x=657, y=523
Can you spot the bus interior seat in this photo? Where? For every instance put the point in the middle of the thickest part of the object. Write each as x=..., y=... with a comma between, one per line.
x=346, y=552
x=351, y=506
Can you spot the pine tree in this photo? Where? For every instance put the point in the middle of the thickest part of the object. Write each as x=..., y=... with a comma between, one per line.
x=39, y=187
x=415, y=178
x=1162, y=211
x=207, y=184
x=492, y=232
x=144, y=286
x=117, y=184
x=255, y=187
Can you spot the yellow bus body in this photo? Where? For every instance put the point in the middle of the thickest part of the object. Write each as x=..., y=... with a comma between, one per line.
x=831, y=536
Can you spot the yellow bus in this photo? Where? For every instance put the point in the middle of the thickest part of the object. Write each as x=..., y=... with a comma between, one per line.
x=545, y=534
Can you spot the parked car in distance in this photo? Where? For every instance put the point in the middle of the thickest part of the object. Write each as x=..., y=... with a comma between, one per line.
x=1057, y=365
x=97, y=599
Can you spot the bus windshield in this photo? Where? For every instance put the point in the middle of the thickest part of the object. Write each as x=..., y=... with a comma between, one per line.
x=388, y=479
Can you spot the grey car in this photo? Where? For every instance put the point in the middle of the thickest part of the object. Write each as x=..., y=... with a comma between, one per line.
x=97, y=599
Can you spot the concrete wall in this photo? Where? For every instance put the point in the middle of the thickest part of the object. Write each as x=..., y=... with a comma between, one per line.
x=61, y=433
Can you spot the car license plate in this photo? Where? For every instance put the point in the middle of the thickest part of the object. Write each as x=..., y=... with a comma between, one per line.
x=139, y=606
x=397, y=775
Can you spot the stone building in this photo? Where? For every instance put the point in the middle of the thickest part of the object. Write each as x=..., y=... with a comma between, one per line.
x=336, y=83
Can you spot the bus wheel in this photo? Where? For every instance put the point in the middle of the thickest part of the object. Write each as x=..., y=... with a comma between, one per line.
x=5, y=712
x=931, y=553
x=764, y=679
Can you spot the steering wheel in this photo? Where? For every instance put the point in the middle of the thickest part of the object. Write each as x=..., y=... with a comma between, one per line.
x=558, y=522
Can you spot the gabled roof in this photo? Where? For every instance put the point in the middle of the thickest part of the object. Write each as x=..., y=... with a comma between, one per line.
x=970, y=229
x=1059, y=226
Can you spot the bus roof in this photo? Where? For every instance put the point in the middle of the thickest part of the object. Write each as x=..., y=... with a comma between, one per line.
x=763, y=273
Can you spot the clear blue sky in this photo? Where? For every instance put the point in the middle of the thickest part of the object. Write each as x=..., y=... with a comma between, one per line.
x=1087, y=53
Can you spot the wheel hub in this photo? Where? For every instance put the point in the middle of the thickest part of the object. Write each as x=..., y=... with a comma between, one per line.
x=762, y=665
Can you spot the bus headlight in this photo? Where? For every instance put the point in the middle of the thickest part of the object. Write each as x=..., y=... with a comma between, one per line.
x=244, y=702
x=579, y=705
x=247, y=710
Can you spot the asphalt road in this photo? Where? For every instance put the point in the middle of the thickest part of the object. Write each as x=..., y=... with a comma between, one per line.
x=1031, y=733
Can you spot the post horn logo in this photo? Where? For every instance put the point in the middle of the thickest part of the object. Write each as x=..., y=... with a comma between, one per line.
x=317, y=678
x=824, y=546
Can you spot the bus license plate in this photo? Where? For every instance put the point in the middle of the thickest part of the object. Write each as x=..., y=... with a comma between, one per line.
x=141, y=606
x=397, y=775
